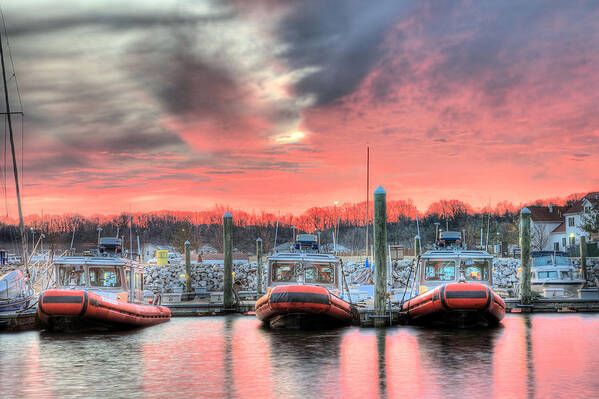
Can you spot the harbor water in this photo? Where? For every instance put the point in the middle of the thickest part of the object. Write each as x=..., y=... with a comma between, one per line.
x=528, y=356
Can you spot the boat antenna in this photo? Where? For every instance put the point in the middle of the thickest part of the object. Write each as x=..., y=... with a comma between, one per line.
x=367, y=193
x=130, y=237
x=488, y=228
x=73, y=236
x=12, y=148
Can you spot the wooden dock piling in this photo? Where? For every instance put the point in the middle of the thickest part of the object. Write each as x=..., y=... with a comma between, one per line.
x=228, y=260
x=583, y=259
x=380, y=252
x=259, y=265
x=188, y=269
x=525, y=291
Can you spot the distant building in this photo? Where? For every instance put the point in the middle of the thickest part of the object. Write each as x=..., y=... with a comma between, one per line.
x=219, y=258
x=547, y=227
x=557, y=228
x=207, y=249
x=148, y=251
x=286, y=246
x=573, y=217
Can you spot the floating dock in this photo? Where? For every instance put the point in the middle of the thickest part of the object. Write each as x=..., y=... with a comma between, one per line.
x=19, y=321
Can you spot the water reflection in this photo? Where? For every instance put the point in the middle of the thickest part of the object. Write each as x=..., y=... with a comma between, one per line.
x=231, y=357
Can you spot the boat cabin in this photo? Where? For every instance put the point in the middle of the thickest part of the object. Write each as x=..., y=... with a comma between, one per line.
x=553, y=275
x=449, y=262
x=304, y=265
x=106, y=272
x=552, y=265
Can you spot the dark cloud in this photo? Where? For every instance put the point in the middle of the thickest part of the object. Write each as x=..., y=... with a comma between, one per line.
x=126, y=18
x=340, y=39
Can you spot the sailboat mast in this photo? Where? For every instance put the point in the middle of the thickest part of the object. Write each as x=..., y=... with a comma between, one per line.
x=12, y=147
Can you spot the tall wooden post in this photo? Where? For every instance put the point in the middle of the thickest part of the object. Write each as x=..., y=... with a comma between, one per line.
x=187, y=267
x=259, y=271
x=525, y=292
x=380, y=253
x=228, y=260
x=583, y=258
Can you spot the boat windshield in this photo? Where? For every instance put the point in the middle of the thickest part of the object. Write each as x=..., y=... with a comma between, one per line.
x=476, y=269
x=71, y=275
x=320, y=273
x=562, y=261
x=104, y=276
x=283, y=271
x=542, y=261
x=443, y=270
x=566, y=275
x=547, y=274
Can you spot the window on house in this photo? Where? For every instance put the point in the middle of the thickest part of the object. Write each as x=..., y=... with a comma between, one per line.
x=571, y=221
x=572, y=240
x=556, y=246
x=564, y=242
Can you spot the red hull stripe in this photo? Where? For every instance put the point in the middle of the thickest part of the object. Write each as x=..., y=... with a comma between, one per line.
x=304, y=297
x=62, y=299
x=465, y=294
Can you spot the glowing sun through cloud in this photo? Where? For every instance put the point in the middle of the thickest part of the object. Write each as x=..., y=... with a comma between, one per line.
x=292, y=138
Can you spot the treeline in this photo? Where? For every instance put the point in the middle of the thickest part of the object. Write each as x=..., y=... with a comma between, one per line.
x=204, y=227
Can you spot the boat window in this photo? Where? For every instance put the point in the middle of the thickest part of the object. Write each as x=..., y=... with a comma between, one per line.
x=566, y=275
x=71, y=275
x=283, y=271
x=104, y=276
x=562, y=261
x=476, y=270
x=542, y=261
x=443, y=270
x=321, y=273
x=548, y=274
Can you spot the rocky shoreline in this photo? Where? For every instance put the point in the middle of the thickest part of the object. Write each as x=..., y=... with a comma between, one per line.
x=208, y=277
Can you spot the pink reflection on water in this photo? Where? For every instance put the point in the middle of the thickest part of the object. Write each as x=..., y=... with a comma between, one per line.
x=30, y=375
x=251, y=365
x=359, y=376
x=564, y=350
x=509, y=361
x=191, y=363
x=404, y=367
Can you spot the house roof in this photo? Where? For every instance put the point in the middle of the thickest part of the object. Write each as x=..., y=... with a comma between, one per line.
x=540, y=213
x=578, y=206
x=561, y=228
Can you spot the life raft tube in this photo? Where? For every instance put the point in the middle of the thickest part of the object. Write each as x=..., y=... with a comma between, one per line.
x=307, y=301
x=86, y=309
x=459, y=304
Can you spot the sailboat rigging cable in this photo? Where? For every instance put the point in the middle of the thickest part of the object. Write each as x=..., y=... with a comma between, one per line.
x=10, y=130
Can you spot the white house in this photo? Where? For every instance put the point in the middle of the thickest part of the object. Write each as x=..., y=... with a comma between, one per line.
x=557, y=228
x=547, y=227
x=573, y=217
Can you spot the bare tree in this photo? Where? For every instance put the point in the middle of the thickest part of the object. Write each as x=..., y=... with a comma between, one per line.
x=589, y=221
x=540, y=236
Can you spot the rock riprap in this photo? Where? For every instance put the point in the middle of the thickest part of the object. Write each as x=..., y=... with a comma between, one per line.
x=210, y=276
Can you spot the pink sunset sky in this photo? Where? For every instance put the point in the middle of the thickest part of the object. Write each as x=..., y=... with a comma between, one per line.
x=269, y=105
